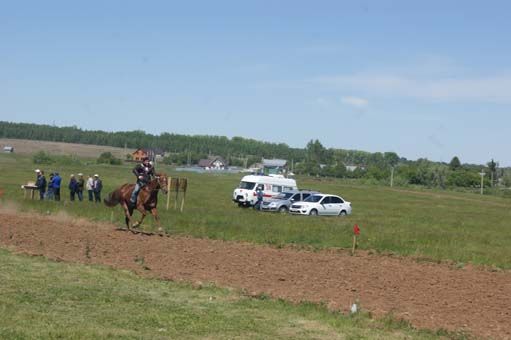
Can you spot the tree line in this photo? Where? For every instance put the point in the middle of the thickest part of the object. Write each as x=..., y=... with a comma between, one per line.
x=314, y=159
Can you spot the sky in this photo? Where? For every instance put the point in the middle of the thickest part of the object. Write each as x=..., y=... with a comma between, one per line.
x=426, y=79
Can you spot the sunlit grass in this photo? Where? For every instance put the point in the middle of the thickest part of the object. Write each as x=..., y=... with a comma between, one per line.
x=41, y=299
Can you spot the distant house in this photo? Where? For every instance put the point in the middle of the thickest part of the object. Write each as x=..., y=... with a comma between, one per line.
x=152, y=153
x=274, y=166
x=213, y=163
x=140, y=153
x=8, y=149
x=351, y=168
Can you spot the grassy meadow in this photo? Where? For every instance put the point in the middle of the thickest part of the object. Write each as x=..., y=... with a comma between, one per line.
x=41, y=299
x=428, y=224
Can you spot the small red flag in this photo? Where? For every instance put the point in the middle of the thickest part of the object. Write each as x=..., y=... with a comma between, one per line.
x=356, y=229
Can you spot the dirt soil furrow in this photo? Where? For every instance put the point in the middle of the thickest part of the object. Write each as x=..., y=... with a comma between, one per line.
x=429, y=295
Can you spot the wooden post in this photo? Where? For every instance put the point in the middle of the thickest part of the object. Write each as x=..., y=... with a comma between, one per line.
x=354, y=244
x=482, y=182
x=183, y=201
x=177, y=193
x=112, y=217
x=168, y=191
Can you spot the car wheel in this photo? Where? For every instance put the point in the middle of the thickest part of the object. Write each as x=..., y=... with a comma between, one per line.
x=313, y=212
x=343, y=213
x=283, y=209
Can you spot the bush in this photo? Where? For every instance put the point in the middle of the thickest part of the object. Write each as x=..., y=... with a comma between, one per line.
x=42, y=157
x=108, y=158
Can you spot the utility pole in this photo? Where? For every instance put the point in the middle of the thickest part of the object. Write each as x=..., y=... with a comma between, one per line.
x=482, y=176
x=391, y=177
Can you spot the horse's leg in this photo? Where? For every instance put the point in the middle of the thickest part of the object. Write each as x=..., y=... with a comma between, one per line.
x=143, y=212
x=154, y=212
x=127, y=214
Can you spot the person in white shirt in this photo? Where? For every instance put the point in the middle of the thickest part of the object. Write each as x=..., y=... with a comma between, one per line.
x=89, y=187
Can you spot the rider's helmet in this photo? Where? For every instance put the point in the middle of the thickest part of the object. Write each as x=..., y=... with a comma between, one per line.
x=145, y=159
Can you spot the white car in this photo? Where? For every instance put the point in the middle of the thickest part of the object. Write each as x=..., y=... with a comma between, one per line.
x=322, y=204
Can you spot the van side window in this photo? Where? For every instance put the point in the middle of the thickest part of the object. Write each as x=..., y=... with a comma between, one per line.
x=276, y=188
x=288, y=188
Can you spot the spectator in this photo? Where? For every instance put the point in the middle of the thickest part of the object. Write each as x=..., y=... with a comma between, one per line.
x=97, y=187
x=73, y=187
x=50, y=192
x=89, y=187
x=260, y=196
x=40, y=183
x=56, y=186
x=79, y=190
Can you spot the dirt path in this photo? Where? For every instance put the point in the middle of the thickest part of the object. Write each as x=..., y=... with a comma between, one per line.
x=428, y=295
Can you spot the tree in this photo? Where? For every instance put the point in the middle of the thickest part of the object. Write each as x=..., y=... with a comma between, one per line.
x=455, y=163
x=492, y=166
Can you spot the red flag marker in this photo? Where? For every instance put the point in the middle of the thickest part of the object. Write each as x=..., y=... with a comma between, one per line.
x=356, y=229
x=356, y=232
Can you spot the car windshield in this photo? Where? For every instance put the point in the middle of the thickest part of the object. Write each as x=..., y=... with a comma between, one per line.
x=284, y=195
x=313, y=198
x=247, y=185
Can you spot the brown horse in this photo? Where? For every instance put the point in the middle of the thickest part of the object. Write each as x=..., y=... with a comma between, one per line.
x=146, y=201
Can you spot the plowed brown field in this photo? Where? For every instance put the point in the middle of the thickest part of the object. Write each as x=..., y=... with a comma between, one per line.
x=428, y=295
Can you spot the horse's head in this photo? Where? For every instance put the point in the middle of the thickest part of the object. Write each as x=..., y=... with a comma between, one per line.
x=162, y=180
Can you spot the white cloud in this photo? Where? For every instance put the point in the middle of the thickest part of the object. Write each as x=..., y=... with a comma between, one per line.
x=489, y=88
x=355, y=101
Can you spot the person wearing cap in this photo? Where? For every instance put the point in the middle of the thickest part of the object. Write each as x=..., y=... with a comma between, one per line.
x=73, y=187
x=40, y=183
x=79, y=189
x=97, y=187
x=90, y=188
x=144, y=173
x=56, y=186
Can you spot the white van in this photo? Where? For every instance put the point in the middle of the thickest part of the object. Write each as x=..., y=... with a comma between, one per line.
x=245, y=194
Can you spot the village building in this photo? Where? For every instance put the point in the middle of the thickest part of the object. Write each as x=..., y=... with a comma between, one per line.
x=274, y=166
x=152, y=154
x=213, y=163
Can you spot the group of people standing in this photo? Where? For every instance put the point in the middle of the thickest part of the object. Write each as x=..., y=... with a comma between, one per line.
x=50, y=189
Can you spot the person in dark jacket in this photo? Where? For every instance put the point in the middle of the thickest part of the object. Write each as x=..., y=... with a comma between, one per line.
x=40, y=183
x=73, y=187
x=97, y=186
x=81, y=184
x=56, y=186
x=144, y=173
x=260, y=196
x=50, y=192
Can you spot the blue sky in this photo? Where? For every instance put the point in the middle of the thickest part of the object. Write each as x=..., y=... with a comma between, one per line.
x=424, y=79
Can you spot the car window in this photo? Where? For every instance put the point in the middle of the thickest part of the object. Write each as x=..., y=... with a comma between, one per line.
x=314, y=198
x=336, y=200
x=296, y=197
x=284, y=195
x=304, y=196
x=326, y=200
x=247, y=185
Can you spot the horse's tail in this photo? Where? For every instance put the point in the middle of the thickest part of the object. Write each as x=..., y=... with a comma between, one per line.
x=113, y=199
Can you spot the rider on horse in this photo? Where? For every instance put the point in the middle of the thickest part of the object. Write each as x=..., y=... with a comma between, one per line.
x=144, y=173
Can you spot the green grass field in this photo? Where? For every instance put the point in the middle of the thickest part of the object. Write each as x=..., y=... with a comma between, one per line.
x=431, y=225
x=41, y=299
x=45, y=299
